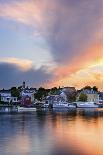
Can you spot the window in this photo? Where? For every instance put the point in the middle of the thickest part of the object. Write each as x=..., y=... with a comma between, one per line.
x=8, y=99
x=14, y=99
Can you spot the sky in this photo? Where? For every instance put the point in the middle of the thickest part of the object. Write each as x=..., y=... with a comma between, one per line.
x=51, y=43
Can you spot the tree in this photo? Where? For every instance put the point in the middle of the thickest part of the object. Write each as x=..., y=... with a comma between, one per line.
x=88, y=87
x=15, y=92
x=95, y=88
x=0, y=98
x=54, y=90
x=40, y=94
x=71, y=97
x=20, y=88
x=83, y=97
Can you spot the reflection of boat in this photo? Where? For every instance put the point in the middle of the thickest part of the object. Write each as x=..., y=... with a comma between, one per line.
x=8, y=108
x=26, y=109
x=86, y=105
x=63, y=105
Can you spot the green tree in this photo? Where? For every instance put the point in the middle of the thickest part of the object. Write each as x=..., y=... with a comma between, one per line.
x=20, y=88
x=71, y=97
x=95, y=88
x=40, y=94
x=53, y=90
x=83, y=97
x=87, y=87
x=15, y=92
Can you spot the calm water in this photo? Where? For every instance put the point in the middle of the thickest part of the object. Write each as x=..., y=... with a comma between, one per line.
x=78, y=132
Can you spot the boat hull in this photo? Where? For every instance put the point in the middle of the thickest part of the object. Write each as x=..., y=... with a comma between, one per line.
x=63, y=105
x=23, y=109
x=87, y=105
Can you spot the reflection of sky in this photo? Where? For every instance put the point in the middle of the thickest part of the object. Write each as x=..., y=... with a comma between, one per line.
x=23, y=134
x=68, y=133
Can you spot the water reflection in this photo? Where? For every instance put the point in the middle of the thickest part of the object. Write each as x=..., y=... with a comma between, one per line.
x=74, y=132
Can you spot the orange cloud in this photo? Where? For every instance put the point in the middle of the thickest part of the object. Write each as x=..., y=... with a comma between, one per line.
x=23, y=12
x=40, y=15
x=71, y=74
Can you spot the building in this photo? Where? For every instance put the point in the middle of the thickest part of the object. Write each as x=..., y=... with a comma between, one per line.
x=28, y=96
x=55, y=98
x=92, y=96
x=23, y=86
x=6, y=97
x=69, y=93
x=101, y=97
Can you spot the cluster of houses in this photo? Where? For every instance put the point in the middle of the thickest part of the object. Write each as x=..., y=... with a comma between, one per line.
x=63, y=94
x=26, y=96
x=66, y=92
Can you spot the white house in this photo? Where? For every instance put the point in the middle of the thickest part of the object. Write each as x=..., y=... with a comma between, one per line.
x=28, y=92
x=92, y=96
x=6, y=97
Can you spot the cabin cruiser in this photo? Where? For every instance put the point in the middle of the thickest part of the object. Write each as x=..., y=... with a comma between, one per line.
x=86, y=105
x=45, y=105
x=63, y=105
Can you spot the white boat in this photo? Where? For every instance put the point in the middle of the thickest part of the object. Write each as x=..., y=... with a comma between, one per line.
x=25, y=109
x=86, y=105
x=63, y=105
x=45, y=105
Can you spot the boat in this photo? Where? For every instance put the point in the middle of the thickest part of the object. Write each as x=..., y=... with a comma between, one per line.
x=63, y=105
x=86, y=105
x=45, y=105
x=26, y=109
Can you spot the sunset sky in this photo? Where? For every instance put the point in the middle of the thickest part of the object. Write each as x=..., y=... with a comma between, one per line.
x=51, y=43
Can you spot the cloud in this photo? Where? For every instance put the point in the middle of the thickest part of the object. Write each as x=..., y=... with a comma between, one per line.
x=23, y=64
x=19, y=11
x=12, y=75
x=72, y=29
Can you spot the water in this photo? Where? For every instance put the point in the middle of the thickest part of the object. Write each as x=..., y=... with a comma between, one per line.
x=77, y=132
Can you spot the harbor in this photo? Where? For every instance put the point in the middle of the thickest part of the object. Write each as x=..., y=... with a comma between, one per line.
x=56, y=132
x=51, y=77
x=25, y=99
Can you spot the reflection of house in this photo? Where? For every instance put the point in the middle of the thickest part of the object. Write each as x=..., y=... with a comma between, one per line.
x=6, y=97
x=92, y=96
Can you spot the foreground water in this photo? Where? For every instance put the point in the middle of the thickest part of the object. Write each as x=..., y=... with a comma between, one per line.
x=77, y=132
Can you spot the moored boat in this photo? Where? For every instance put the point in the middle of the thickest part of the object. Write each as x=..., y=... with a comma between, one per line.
x=63, y=105
x=45, y=105
x=86, y=105
x=26, y=109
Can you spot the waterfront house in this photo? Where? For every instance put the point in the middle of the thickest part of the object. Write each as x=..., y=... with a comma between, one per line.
x=69, y=93
x=62, y=95
x=54, y=98
x=101, y=97
x=6, y=97
x=27, y=96
x=92, y=96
